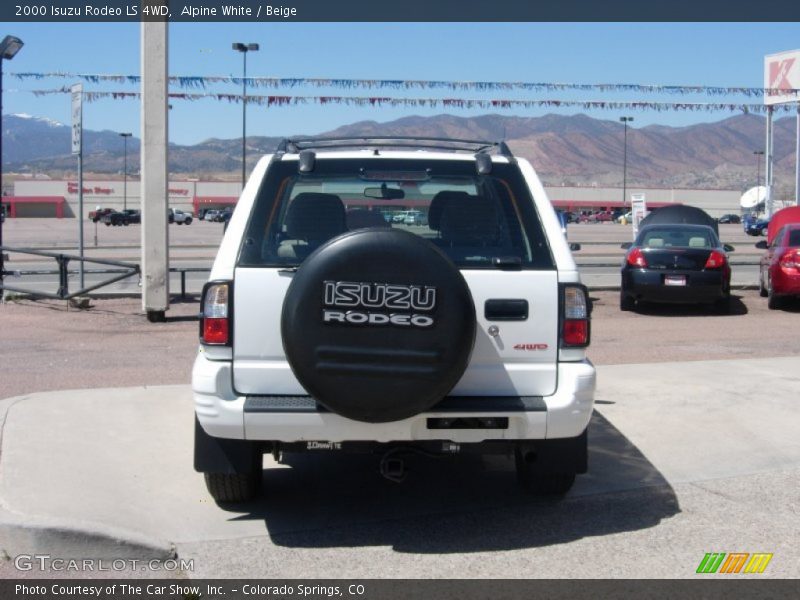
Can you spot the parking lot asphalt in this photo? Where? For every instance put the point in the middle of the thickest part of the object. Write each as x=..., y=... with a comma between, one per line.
x=195, y=246
x=685, y=458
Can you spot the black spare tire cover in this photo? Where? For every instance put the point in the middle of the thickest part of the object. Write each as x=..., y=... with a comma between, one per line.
x=378, y=325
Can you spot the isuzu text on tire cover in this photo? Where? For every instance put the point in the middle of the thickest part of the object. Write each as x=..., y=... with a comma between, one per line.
x=333, y=322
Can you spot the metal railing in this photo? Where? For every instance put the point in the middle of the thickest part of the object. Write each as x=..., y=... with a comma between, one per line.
x=124, y=271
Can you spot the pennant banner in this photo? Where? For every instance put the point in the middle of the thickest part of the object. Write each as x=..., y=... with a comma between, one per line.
x=463, y=103
x=197, y=82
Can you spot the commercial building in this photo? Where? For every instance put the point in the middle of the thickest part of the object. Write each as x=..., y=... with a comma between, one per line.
x=59, y=198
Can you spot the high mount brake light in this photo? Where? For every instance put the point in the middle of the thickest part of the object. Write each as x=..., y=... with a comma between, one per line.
x=575, y=321
x=215, y=318
x=636, y=258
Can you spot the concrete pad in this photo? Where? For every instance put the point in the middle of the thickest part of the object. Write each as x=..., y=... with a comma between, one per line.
x=116, y=465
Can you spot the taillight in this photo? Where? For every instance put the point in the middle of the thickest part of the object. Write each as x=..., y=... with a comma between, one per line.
x=636, y=258
x=790, y=260
x=716, y=260
x=215, y=318
x=575, y=318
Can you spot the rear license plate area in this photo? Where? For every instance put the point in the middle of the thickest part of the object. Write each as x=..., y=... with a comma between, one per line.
x=675, y=280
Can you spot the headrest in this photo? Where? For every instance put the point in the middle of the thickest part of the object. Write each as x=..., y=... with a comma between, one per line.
x=471, y=221
x=440, y=200
x=315, y=217
x=697, y=242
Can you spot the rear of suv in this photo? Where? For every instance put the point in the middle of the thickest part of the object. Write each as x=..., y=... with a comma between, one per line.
x=327, y=327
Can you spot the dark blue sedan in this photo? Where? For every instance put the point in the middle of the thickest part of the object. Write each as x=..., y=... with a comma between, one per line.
x=676, y=263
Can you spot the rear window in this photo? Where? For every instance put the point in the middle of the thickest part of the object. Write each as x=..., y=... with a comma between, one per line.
x=678, y=237
x=472, y=218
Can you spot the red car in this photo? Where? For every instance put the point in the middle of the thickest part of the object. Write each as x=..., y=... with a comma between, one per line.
x=598, y=217
x=779, y=271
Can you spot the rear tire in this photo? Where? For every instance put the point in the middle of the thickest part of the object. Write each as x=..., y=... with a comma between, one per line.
x=233, y=487
x=762, y=291
x=626, y=302
x=542, y=482
x=773, y=302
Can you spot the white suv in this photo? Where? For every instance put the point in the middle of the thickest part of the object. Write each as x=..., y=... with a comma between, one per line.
x=326, y=328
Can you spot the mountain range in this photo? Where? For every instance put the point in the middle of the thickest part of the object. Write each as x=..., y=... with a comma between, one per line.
x=565, y=150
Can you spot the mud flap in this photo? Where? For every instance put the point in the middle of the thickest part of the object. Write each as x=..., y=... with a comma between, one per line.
x=220, y=455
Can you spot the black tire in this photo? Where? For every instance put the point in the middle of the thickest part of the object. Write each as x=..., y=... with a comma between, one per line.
x=126, y=223
x=108, y=223
x=233, y=487
x=774, y=302
x=762, y=291
x=188, y=221
x=540, y=481
x=626, y=302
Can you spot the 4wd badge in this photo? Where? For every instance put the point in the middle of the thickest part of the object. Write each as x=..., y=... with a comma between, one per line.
x=360, y=303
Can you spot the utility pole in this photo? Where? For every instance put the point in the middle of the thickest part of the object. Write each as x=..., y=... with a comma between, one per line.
x=625, y=121
x=244, y=49
x=125, y=137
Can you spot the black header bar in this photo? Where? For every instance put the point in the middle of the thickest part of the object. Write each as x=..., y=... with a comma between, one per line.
x=187, y=11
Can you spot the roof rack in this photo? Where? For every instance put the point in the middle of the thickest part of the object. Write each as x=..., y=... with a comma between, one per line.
x=420, y=143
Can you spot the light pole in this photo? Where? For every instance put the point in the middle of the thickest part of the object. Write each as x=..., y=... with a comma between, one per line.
x=125, y=137
x=8, y=50
x=758, y=155
x=244, y=49
x=625, y=121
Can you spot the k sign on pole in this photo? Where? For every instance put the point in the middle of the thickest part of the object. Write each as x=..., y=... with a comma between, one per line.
x=77, y=148
x=782, y=80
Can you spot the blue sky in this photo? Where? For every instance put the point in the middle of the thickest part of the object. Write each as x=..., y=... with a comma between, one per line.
x=661, y=53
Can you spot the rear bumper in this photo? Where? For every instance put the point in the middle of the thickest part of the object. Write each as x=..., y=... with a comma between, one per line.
x=222, y=413
x=785, y=284
x=647, y=285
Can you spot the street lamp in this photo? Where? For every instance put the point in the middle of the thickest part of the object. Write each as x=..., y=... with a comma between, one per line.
x=758, y=154
x=125, y=137
x=8, y=50
x=625, y=121
x=244, y=49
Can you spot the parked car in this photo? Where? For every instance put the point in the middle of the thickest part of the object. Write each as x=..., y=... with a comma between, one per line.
x=779, y=268
x=388, y=340
x=123, y=217
x=730, y=218
x=754, y=226
x=179, y=217
x=602, y=216
x=676, y=263
x=211, y=215
x=97, y=215
x=625, y=217
x=416, y=217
